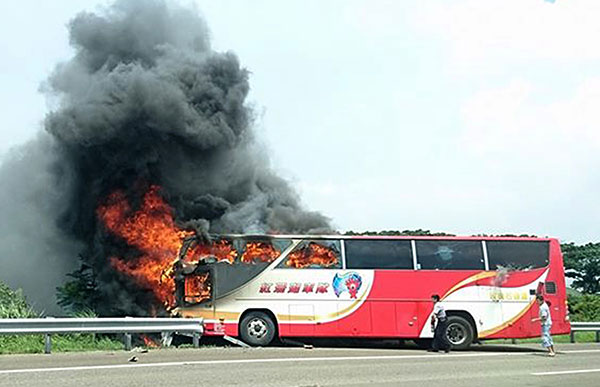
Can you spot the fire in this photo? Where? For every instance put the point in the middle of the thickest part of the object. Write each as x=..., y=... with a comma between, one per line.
x=148, y=342
x=152, y=231
x=221, y=250
x=313, y=254
x=197, y=288
x=259, y=252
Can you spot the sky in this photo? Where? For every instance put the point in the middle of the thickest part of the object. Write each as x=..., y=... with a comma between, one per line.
x=466, y=117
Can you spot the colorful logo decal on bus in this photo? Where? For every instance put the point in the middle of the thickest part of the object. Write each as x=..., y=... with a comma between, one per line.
x=349, y=282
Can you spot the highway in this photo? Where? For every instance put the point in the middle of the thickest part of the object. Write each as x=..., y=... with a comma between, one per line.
x=486, y=365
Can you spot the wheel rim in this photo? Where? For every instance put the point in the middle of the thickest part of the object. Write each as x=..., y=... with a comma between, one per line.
x=257, y=328
x=456, y=333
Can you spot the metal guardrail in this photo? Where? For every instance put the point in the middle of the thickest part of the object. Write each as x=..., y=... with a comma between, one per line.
x=126, y=326
x=585, y=327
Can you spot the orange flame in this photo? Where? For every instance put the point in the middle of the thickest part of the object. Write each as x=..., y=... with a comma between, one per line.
x=152, y=231
x=221, y=250
x=149, y=343
x=313, y=254
x=259, y=252
x=197, y=288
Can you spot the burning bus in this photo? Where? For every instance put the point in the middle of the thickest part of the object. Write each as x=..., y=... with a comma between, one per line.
x=260, y=287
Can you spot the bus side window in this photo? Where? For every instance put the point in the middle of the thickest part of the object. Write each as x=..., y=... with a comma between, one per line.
x=254, y=250
x=378, y=254
x=518, y=254
x=314, y=254
x=450, y=255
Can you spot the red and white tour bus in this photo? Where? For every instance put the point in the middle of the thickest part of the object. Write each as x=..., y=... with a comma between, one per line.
x=262, y=287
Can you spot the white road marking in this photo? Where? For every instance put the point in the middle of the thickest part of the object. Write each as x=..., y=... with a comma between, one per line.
x=565, y=372
x=275, y=360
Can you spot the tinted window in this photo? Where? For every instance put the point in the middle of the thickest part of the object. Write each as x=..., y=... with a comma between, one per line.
x=314, y=254
x=450, y=255
x=551, y=287
x=378, y=254
x=517, y=254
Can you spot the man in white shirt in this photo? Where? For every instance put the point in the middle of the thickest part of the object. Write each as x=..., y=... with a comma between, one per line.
x=439, y=325
x=546, y=321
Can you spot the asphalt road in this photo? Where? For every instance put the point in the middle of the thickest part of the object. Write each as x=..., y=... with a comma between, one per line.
x=487, y=365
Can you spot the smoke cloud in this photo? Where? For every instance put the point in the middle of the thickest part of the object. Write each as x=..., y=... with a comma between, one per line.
x=144, y=100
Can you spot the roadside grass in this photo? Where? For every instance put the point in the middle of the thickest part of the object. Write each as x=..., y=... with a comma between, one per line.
x=580, y=337
x=13, y=304
x=13, y=344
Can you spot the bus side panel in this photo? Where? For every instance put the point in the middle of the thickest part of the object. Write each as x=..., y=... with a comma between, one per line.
x=397, y=305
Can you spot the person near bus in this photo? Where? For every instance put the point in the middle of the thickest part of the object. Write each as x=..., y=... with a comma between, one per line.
x=439, y=324
x=546, y=322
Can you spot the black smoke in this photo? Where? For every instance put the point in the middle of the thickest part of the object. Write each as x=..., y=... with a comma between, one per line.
x=145, y=100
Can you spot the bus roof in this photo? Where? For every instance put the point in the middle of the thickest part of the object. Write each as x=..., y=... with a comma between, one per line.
x=407, y=237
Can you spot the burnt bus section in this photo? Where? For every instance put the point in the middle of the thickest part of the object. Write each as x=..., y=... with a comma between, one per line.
x=211, y=268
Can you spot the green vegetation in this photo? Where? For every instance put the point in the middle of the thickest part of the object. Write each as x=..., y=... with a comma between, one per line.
x=582, y=263
x=584, y=307
x=79, y=295
x=60, y=343
x=14, y=305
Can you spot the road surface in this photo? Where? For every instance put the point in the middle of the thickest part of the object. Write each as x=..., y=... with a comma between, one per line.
x=487, y=365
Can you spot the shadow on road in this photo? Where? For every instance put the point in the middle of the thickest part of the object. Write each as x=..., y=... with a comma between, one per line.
x=372, y=344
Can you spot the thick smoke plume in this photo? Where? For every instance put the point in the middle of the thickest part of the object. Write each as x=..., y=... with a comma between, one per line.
x=144, y=101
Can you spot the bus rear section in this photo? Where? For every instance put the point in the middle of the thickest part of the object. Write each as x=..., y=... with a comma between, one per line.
x=336, y=286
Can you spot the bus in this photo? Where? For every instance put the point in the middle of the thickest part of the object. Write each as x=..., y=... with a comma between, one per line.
x=263, y=287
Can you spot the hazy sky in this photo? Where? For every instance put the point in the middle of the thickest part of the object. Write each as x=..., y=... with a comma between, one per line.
x=464, y=116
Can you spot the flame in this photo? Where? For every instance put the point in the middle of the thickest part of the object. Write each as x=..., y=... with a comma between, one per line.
x=151, y=230
x=259, y=252
x=149, y=343
x=197, y=288
x=221, y=250
x=313, y=254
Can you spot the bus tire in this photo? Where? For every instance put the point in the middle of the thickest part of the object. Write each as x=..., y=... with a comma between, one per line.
x=459, y=332
x=257, y=329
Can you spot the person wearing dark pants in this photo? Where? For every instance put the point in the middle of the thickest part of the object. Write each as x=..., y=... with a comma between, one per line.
x=439, y=324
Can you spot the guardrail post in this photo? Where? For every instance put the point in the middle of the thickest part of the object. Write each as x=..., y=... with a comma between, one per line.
x=196, y=339
x=513, y=341
x=597, y=336
x=127, y=341
x=47, y=343
x=572, y=336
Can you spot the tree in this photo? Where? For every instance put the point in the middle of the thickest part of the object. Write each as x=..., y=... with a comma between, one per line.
x=582, y=263
x=80, y=294
x=13, y=304
x=584, y=307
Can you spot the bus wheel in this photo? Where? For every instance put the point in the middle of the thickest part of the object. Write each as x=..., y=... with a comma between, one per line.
x=459, y=332
x=257, y=329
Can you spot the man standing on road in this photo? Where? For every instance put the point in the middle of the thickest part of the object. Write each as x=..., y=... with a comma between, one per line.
x=439, y=324
x=546, y=321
